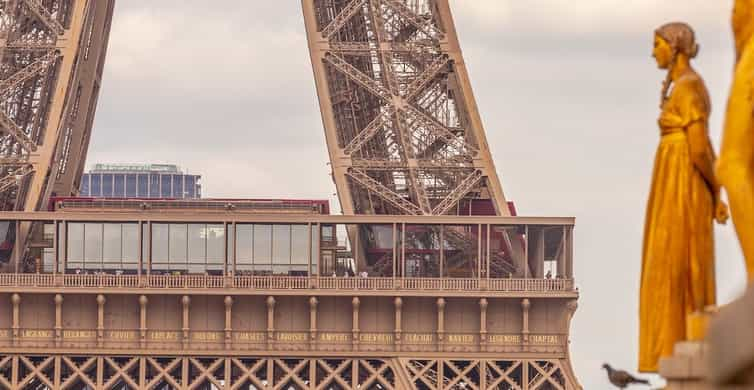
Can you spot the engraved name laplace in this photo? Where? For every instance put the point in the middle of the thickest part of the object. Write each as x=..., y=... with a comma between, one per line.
x=164, y=336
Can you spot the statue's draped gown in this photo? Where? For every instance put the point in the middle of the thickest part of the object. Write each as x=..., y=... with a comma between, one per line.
x=678, y=275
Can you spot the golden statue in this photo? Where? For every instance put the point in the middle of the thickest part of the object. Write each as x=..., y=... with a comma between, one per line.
x=736, y=166
x=678, y=270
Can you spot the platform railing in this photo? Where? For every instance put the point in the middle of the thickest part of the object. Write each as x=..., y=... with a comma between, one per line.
x=283, y=282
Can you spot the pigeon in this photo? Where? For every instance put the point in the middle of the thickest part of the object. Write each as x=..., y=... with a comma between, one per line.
x=622, y=379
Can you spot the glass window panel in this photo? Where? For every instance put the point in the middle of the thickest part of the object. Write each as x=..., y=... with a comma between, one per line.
x=112, y=240
x=143, y=188
x=159, y=243
x=167, y=191
x=300, y=244
x=281, y=269
x=197, y=243
x=48, y=260
x=154, y=186
x=107, y=185
x=131, y=185
x=75, y=242
x=281, y=248
x=230, y=237
x=178, y=243
x=130, y=243
x=120, y=186
x=262, y=244
x=85, y=185
x=190, y=188
x=244, y=243
x=93, y=245
x=215, y=244
x=96, y=189
x=178, y=187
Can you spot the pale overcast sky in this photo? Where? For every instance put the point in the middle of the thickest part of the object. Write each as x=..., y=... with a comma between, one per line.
x=567, y=90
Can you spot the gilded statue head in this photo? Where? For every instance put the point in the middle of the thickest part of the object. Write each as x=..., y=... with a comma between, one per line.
x=673, y=40
x=743, y=23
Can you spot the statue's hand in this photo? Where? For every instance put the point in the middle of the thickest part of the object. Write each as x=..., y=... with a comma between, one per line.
x=721, y=212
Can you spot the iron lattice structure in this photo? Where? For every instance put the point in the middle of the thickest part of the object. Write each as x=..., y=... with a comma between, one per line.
x=402, y=126
x=168, y=372
x=52, y=53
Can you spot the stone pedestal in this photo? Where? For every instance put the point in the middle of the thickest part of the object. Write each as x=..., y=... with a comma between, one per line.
x=687, y=368
x=731, y=341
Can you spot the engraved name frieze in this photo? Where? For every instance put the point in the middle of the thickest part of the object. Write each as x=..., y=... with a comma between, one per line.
x=292, y=337
x=504, y=339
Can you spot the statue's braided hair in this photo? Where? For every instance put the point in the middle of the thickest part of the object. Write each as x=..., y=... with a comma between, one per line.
x=681, y=38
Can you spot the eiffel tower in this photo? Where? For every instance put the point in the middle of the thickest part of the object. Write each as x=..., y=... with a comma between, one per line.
x=429, y=280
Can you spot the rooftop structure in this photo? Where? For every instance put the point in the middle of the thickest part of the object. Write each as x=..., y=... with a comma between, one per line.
x=164, y=181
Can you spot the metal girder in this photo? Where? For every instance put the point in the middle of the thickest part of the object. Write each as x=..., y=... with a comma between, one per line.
x=39, y=65
x=377, y=164
x=7, y=125
x=343, y=17
x=385, y=193
x=359, y=77
x=425, y=26
x=458, y=193
x=370, y=131
x=12, y=178
x=44, y=16
x=418, y=85
x=437, y=128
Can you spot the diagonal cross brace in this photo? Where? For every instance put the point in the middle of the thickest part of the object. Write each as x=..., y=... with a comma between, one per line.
x=357, y=76
x=432, y=70
x=369, y=132
x=437, y=128
x=7, y=125
x=33, y=69
x=384, y=192
x=413, y=18
x=44, y=16
x=458, y=193
x=342, y=18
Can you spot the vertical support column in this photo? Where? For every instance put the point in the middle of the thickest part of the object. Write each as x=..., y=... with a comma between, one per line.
x=56, y=259
x=270, y=321
x=149, y=249
x=525, y=306
x=17, y=247
x=309, y=256
x=442, y=251
x=355, y=330
x=228, y=322
x=569, y=252
x=100, y=319
x=186, y=302
x=479, y=252
x=398, y=330
x=313, y=322
x=395, y=253
x=440, y=323
x=64, y=249
x=403, y=252
x=16, y=325
x=58, y=319
x=525, y=375
x=537, y=239
x=141, y=251
x=483, y=324
x=563, y=255
x=143, y=320
x=100, y=372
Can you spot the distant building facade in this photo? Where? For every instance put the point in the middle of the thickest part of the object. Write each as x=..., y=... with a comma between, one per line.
x=140, y=181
